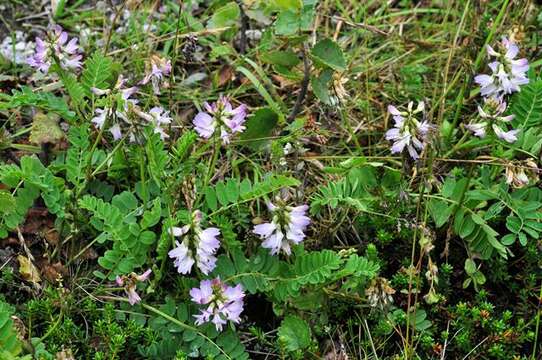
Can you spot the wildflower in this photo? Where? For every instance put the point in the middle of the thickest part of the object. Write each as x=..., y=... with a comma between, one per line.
x=408, y=131
x=508, y=73
x=158, y=69
x=130, y=282
x=287, y=227
x=223, y=302
x=123, y=104
x=196, y=247
x=493, y=119
x=222, y=117
x=158, y=117
x=379, y=293
x=519, y=175
x=66, y=52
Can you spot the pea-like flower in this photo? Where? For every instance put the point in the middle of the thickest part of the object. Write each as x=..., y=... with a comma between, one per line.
x=157, y=117
x=508, y=73
x=130, y=283
x=57, y=45
x=157, y=69
x=196, y=246
x=223, y=302
x=124, y=102
x=220, y=117
x=408, y=131
x=286, y=228
x=492, y=119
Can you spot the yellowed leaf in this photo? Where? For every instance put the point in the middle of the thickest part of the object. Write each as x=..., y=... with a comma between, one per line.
x=28, y=271
x=45, y=129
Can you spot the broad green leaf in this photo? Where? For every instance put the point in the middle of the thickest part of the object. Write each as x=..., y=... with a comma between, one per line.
x=294, y=333
x=225, y=16
x=287, y=23
x=327, y=53
x=285, y=58
x=259, y=126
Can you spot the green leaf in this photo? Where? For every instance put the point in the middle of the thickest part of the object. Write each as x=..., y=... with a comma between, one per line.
x=285, y=58
x=258, y=127
x=527, y=105
x=470, y=267
x=225, y=16
x=327, y=53
x=294, y=333
x=152, y=217
x=97, y=72
x=440, y=211
x=522, y=238
x=9, y=342
x=43, y=100
x=287, y=23
x=75, y=90
x=320, y=89
x=285, y=4
x=7, y=202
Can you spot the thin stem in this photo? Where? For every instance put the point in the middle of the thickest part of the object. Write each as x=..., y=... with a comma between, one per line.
x=304, y=86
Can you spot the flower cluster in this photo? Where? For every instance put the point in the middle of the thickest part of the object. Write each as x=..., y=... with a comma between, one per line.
x=520, y=173
x=379, y=293
x=157, y=69
x=223, y=302
x=197, y=246
x=222, y=117
x=124, y=106
x=286, y=228
x=130, y=283
x=67, y=53
x=492, y=118
x=408, y=131
x=508, y=73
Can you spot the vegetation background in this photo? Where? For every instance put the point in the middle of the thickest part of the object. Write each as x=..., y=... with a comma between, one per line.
x=430, y=258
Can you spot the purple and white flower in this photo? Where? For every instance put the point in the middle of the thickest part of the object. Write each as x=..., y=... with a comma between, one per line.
x=130, y=283
x=196, y=246
x=124, y=103
x=222, y=302
x=220, y=117
x=157, y=117
x=285, y=229
x=67, y=52
x=158, y=69
x=492, y=119
x=408, y=132
x=507, y=72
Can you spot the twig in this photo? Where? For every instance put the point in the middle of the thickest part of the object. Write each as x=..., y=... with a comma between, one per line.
x=113, y=23
x=370, y=28
x=304, y=86
x=244, y=27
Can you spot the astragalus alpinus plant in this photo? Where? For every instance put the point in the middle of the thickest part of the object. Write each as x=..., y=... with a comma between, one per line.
x=293, y=179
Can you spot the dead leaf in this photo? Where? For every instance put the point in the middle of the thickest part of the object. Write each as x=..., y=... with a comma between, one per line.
x=28, y=271
x=45, y=129
x=53, y=272
x=19, y=327
x=225, y=75
x=65, y=354
x=51, y=236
